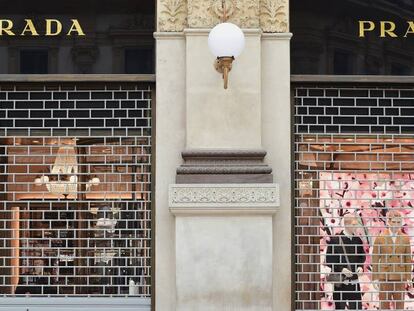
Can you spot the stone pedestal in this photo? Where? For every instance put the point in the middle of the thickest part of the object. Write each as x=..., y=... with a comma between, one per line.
x=223, y=245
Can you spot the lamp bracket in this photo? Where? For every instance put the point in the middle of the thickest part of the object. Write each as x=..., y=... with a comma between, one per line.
x=223, y=65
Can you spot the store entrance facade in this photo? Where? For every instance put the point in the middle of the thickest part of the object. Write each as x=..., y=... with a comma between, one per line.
x=76, y=155
x=76, y=195
x=353, y=177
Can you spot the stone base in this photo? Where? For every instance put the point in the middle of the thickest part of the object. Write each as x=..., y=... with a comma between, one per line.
x=223, y=245
x=224, y=263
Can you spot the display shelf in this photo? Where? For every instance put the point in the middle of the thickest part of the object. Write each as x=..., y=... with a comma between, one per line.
x=54, y=235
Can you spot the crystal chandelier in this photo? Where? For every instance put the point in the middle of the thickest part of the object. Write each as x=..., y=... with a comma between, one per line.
x=63, y=178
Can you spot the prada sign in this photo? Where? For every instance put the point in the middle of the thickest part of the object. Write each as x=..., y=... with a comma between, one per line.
x=50, y=27
x=386, y=29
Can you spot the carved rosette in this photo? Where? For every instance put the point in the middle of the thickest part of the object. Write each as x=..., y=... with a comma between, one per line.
x=274, y=15
x=172, y=15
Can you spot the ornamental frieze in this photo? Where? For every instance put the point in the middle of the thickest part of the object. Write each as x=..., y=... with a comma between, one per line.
x=208, y=13
x=269, y=15
x=204, y=195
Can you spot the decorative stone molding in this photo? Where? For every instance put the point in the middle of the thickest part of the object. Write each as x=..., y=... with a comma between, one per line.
x=216, y=7
x=224, y=166
x=254, y=197
x=274, y=15
x=172, y=15
x=207, y=13
x=269, y=15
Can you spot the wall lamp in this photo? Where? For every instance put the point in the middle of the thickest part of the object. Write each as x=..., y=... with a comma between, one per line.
x=226, y=42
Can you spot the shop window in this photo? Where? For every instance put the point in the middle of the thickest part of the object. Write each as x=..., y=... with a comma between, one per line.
x=75, y=195
x=342, y=63
x=78, y=217
x=139, y=61
x=330, y=23
x=33, y=61
x=354, y=198
x=95, y=46
x=400, y=70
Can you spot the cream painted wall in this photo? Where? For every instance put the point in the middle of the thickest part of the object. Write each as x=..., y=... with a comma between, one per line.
x=169, y=142
x=219, y=118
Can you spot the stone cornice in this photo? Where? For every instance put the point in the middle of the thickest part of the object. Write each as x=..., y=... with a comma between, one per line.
x=277, y=36
x=223, y=198
x=269, y=15
x=168, y=35
x=258, y=154
x=204, y=31
x=224, y=166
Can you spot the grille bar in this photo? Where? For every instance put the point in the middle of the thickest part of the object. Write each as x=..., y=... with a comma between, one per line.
x=75, y=190
x=354, y=176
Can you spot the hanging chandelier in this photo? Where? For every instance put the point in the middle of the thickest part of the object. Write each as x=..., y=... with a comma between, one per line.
x=63, y=179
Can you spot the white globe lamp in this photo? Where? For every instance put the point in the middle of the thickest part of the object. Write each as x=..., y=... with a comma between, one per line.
x=226, y=42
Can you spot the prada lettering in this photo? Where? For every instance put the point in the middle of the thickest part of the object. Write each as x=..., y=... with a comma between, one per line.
x=52, y=27
x=385, y=29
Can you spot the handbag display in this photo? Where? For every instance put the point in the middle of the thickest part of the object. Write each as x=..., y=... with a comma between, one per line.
x=338, y=278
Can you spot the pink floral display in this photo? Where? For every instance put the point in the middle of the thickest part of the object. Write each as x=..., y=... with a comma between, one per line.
x=369, y=196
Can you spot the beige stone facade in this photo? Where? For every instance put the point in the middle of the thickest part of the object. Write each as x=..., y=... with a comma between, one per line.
x=219, y=245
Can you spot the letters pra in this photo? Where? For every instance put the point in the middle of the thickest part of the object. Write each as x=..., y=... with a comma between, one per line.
x=385, y=29
x=52, y=27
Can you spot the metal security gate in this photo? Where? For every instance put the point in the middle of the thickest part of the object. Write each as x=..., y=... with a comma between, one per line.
x=75, y=196
x=354, y=196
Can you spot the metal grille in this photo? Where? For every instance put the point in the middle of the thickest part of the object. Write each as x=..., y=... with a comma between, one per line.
x=75, y=191
x=354, y=197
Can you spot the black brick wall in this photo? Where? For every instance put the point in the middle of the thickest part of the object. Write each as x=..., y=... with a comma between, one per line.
x=320, y=109
x=75, y=109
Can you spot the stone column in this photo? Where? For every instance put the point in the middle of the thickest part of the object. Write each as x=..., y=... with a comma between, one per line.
x=216, y=246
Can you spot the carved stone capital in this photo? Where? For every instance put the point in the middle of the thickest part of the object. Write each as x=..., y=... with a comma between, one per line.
x=172, y=15
x=274, y=16
x=269, y=15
